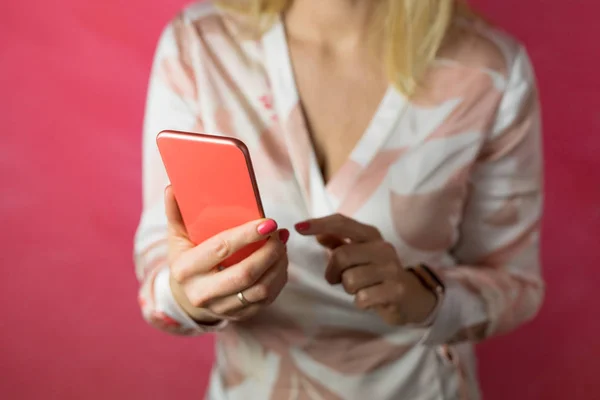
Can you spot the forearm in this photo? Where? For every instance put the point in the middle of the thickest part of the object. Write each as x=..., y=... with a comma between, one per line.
x=481, y=302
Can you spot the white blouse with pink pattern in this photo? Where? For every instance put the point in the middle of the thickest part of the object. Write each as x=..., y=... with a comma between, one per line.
x=452, y=178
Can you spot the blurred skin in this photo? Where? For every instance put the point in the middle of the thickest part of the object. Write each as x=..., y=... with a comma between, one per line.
x=341, y=85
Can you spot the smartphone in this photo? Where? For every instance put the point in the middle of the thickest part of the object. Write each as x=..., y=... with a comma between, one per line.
x=214, y=184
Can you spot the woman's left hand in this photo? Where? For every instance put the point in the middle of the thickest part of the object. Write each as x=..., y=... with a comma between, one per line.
x=369, y=268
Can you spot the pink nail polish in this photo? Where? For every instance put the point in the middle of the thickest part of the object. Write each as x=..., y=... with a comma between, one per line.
x=302, y=226
x=284, y=235
x=267, y=227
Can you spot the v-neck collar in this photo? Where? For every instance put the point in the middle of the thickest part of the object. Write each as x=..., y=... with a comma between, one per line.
x=320, y=198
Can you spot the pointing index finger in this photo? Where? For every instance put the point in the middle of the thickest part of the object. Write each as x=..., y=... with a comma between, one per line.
x=340, y=226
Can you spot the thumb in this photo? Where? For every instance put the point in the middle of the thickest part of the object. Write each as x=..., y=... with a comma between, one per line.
x=174, y=217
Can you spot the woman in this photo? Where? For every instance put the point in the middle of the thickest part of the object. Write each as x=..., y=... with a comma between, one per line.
x=401, y=139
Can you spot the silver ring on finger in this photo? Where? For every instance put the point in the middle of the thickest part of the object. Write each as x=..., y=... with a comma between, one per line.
x=243, y=299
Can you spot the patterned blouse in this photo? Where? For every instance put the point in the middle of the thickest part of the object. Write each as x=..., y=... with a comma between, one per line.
x=452, y=178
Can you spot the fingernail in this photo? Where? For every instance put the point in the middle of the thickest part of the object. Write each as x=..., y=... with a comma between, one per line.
x=284, y=235
x=302, y=226
x=267, y=227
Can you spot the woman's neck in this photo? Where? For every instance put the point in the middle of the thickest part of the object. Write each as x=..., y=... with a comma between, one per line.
x=338, y=24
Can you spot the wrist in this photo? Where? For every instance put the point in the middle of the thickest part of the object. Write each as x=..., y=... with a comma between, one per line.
x=432, y=311
x=434, y=290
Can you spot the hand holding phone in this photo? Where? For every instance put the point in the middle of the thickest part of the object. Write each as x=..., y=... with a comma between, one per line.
x=215, y=219
x=209, y=296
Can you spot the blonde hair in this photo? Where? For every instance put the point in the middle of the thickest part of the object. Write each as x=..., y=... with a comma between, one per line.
x=413, y=31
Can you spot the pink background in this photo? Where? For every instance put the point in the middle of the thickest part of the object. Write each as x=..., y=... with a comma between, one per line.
x=73, y=77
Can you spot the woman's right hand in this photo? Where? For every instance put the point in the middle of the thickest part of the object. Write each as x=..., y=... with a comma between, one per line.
x=209, y=295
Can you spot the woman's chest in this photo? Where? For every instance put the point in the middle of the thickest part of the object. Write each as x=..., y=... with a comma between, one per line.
x=339, y=96
x=407, y=173
x=413, y=188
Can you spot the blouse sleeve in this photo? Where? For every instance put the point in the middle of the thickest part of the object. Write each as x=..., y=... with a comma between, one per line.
x=497, y=284
x=172, y=103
